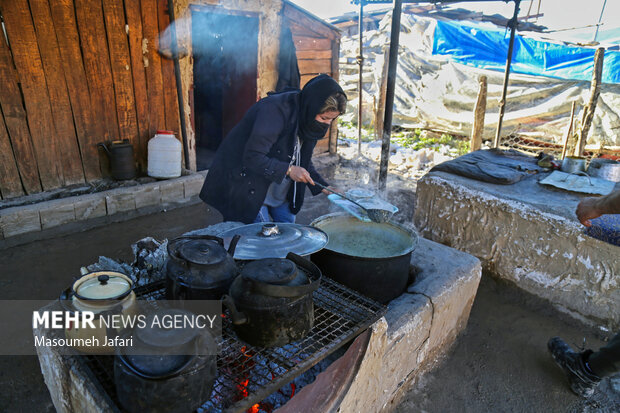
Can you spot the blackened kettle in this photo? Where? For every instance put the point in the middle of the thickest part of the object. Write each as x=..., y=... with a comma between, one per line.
x=271, y=300
x=199, y=267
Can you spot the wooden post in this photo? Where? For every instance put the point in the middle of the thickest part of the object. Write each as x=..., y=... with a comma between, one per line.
x=595, y=91
x=569, y=131
x=479, y=112
x=383, y=87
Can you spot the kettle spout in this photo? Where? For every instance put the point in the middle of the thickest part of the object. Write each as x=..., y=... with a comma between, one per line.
x=104, y=146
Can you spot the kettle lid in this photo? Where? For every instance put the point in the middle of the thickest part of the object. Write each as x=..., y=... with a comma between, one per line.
x=275, y=271
x=203, y=252
x=102, y=285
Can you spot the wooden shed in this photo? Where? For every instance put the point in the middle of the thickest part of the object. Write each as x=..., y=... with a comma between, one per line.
x=76, y=73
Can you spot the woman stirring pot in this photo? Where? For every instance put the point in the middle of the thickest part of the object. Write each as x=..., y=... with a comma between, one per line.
x=260, y=168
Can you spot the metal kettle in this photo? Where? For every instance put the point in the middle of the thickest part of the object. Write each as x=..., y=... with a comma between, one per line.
x=199, y=268
x=120, y=153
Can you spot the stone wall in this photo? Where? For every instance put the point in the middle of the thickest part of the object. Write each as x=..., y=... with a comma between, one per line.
x=26, y=223
x=527, y=235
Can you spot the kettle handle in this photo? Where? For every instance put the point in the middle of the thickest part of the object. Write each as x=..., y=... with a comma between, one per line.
x=237, y=316
x=105, y=147
x=233, y=244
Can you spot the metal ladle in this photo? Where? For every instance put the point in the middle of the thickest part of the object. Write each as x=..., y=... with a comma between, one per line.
x=375, y=214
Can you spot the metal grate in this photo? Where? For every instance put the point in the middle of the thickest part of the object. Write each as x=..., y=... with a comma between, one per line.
x=247, y=374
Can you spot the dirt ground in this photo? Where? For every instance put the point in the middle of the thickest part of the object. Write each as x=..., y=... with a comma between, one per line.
x=498, y=364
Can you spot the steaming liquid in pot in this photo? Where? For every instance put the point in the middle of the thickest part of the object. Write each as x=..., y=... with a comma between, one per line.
x=366, y=239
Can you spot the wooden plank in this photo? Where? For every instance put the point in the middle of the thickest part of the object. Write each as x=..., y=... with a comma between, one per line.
x=479, y=112
x=315, y=66
x=114, y=16
x=88, y=125
x=171, y=103
x=67, y=143
x=25, y=50
x=154, y=83
x=595, y=91
x=314, y=54
x=134, y=21
x=333, y=132
x=317, y=26
x=16, y=123
x=311, y=43
x=10, y=184
x=95, y=53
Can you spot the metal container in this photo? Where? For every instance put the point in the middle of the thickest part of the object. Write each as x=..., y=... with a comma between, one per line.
x=372, y=258
x=573, y=164
x=271, y=300
x=166, y=369
x=120, y=153
x=101, y=292
x=605, y=169
x=199, y=268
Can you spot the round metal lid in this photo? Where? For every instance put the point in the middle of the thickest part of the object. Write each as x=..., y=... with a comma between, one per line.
x=160, y=331
x=275, y=240
x=103, y=285
x=204, y=252
x=277, y=271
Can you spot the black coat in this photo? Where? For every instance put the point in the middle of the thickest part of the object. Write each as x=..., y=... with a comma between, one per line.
x=256, y=153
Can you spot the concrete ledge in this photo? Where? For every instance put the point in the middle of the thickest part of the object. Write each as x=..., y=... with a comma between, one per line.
x=23, y=224
x=522, y=241
x=419, y=327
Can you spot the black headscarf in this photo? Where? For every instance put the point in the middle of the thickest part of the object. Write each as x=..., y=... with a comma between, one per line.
x=313, y=97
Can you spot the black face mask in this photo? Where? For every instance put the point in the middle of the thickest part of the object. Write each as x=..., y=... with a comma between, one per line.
x=317, y=128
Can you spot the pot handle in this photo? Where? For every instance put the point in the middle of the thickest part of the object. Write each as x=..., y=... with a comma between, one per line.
x=233, y=245
x=237, y=316
x=105, y=146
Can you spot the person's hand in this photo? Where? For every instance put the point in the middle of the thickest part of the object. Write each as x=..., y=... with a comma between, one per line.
x=299, y=174
x=588, y=209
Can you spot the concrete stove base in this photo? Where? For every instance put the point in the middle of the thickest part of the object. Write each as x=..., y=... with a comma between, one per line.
x=419, y=327
x=529, y=235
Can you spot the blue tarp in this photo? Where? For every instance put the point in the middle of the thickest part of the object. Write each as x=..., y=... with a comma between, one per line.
x=487, y=48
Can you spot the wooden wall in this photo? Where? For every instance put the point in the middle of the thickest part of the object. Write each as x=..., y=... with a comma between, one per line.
x=74, y=73
x=318, y=48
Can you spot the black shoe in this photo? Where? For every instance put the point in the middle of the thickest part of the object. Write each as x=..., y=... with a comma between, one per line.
x=581, y=381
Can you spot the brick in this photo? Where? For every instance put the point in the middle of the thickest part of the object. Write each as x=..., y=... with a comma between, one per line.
x=171, y=192
x=120, y=200
x=89, y=207
x=193, y=186
x=20, y=220
x=57, y=212
x=147, y=195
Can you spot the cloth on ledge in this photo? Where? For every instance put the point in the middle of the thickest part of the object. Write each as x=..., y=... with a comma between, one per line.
x=606, y=228
x=579, y=183
x=492, y=165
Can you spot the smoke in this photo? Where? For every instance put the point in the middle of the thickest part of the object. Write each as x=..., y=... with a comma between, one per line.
x=227, y=42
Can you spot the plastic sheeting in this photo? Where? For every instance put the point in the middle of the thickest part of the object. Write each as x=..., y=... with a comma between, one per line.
x=434, y=92
x=487, y=49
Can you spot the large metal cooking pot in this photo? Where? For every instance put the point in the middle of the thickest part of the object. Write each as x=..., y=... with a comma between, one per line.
x=275, y=240
x=166, y=369
x=101, y=293
x=199, y=268
x=271, y=300
x=369, y=257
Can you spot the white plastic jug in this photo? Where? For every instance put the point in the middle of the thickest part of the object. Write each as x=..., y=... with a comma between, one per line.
x=164, y=155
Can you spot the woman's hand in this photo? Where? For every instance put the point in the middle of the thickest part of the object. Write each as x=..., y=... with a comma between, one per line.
x=299, y=174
